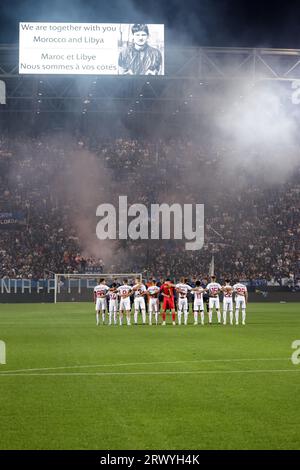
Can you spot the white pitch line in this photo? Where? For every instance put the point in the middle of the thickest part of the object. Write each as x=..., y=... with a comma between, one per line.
x=128, y=364
x=103, y=374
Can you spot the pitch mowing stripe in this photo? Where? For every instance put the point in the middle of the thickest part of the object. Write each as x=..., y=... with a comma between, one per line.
x=128, y=364
x=103, y=374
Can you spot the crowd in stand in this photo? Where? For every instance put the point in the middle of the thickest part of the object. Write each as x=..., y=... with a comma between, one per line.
x=251, y=227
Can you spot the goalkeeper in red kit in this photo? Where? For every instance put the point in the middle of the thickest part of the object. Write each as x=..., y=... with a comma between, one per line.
x=167, y=291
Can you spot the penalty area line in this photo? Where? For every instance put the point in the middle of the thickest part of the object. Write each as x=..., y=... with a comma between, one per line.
x=128, y=364
x=110, y=374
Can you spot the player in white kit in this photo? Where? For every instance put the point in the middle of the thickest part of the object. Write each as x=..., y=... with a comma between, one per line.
x=113, y=303
x=124, y=292
x=227, y=290
x=182, y=290
x=241, y=299
x=198, y=302
x=213, y=288
x=139, y=300
x=153, y=291
x=100, y=291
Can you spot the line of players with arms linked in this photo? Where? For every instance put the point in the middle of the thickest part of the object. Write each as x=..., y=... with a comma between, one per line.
x=120, y=301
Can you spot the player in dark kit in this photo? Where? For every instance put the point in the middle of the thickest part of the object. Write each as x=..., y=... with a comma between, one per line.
x=167, y=290
x=206, y=294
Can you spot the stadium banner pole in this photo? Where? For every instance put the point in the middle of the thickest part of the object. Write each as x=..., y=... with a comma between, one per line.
x=55, y=288
x=212, y=266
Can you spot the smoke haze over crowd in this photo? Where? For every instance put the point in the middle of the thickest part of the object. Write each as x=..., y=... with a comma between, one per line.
x=225, y=142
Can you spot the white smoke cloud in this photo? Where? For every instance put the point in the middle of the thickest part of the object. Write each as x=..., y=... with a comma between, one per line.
x=261, y=133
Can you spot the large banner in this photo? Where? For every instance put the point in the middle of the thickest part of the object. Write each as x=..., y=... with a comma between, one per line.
x=12, y=220
x=91, y=48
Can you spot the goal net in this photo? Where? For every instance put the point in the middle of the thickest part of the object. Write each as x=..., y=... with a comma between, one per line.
x=80, y=287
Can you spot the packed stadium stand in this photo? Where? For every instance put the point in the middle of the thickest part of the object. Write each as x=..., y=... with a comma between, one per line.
x=251, y=227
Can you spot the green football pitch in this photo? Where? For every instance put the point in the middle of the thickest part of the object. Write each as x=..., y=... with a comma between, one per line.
x=68, y=384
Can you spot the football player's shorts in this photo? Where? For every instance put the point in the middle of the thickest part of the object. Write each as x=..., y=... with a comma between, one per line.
x=125, y=304
x=198, y=305
x=240, y=302
x=182, y=304
x=139, y=302
x=113, y=306
x=168, y=303
x=153, y=305
x=214, y=302
x=101, y=304
x=227, y=304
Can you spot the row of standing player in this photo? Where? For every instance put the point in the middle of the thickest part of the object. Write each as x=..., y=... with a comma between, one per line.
x=119, y=301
